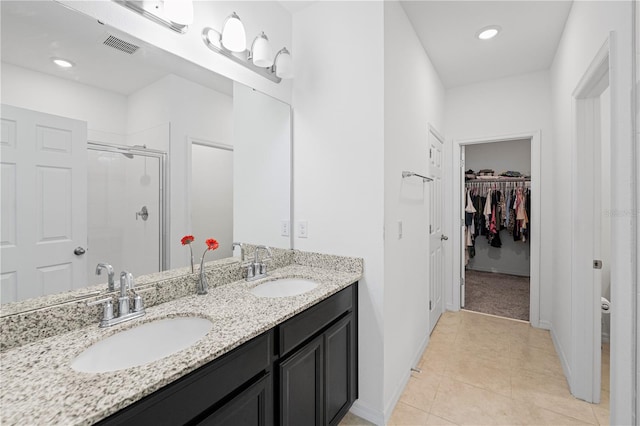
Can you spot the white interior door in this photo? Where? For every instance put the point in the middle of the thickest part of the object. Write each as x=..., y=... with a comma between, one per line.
x=436, y=236
x=44, y=204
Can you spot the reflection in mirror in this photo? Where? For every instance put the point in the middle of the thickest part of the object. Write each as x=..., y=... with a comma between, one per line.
x=145, y=124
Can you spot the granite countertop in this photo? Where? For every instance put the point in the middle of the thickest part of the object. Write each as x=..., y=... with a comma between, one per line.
x=38, y=385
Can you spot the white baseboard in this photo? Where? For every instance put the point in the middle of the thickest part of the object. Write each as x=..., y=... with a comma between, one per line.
x=368, y=413
x=545, y=325
x=405, y=379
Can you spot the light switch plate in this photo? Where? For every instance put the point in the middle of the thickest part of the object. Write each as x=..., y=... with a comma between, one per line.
x=284, y=228
x=302, y=229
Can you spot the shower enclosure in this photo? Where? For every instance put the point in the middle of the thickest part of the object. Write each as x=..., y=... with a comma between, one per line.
x=126, y=209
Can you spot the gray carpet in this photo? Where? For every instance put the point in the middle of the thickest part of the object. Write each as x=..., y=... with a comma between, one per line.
x=497, y=294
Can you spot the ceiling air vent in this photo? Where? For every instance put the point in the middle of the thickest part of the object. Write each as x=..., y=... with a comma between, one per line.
x=121, y=45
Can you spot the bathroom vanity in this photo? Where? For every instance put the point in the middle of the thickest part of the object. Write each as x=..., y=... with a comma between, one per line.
x=303, y=371
x=267, y=360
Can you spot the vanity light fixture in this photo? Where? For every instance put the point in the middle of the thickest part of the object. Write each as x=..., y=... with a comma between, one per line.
x=62, y=63
x=233, y=36
x=176, y=15
x=283, y=66
x=488, y=33
x=179, y=11
x=260, y=53
x=258, y=59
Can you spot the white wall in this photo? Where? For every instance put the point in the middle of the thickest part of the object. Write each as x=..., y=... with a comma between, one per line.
x=500, y=156
x=261, y=167
x=503, y=107
x=212, y=198
x=413, y=98
x=514, y=256
x=338, y=111
x=586, y=30
x=104, y=111
x=267, y=16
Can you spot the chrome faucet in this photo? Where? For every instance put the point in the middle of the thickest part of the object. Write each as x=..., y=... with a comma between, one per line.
x=109, y=270
x=241, y=245
x=124, y=312
x=257, y=269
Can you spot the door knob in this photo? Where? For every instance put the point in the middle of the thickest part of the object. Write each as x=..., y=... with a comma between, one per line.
x=443, y=237
x=79, y=251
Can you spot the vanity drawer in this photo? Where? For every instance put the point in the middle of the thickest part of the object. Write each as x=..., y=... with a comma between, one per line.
x=307, y=324
x=200, y=392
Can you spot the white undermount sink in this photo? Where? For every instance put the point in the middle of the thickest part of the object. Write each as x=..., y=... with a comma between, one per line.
x=142, y=344
x=284, y=287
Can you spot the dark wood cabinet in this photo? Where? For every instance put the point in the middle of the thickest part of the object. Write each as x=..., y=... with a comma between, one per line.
x=302, y=386
x=254, y=407
x=318, y=381
x=302, y=372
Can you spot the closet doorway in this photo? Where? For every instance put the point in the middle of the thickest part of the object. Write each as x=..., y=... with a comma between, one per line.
x=499, y=257
x=497, y=208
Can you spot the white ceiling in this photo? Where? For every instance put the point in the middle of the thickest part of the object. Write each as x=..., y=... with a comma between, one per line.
x=531, y=31
x=34, y=31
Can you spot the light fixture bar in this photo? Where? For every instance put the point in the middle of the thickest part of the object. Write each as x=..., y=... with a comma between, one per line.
x=138, y=7
x=214, y=44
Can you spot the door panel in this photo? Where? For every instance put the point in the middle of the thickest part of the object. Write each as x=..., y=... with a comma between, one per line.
x=42, y=223
x=436, y=231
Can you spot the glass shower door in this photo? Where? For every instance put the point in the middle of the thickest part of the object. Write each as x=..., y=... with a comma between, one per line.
x=125, y=210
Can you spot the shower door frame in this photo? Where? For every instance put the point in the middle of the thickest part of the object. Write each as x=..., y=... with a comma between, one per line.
x=163, y=202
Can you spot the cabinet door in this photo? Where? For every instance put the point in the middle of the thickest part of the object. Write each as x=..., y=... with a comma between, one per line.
x=340, y=384
x=301, y=386
x=253, y=407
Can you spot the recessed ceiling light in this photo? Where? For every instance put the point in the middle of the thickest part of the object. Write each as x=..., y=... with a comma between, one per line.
x=62, y=63
x=488, y=32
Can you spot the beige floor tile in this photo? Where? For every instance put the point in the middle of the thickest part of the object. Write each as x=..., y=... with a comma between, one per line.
x=483, y=370
x=540, y=339
x=434, y=420
x=524, y=413
x=536, y=360
x=482, y=373
x=406, y=415
x=464, y=404
x=351, y=419
x=421, y=390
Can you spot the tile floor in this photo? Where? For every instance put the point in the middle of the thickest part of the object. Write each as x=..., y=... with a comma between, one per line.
x=484, y=370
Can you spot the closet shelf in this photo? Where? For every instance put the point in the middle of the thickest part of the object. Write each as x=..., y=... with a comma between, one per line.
x=497, y=179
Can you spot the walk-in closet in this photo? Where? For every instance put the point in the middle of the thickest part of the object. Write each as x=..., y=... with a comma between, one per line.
x=497, y=211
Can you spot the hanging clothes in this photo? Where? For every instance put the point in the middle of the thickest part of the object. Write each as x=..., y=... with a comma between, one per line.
x=491, y=206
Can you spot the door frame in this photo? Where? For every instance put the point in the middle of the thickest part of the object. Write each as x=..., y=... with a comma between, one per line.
x=535, y=219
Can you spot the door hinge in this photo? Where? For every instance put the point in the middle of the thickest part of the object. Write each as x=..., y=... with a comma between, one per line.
x=461, y=282
x=430, y=152
x=597, y=264
x=430, y=228
x=430, y=305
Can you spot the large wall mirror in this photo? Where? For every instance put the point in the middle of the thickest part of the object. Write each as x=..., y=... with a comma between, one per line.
x=115, y=158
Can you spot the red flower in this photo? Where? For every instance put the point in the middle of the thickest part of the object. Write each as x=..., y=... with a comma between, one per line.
x=211, y=244
x=187, y=239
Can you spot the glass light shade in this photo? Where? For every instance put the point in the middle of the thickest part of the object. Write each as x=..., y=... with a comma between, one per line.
x=179, y=11
x=284, y=64
x=261, y=51
x=233, y=36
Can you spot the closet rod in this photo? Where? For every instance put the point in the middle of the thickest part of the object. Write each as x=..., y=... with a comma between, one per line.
x=409, y=174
